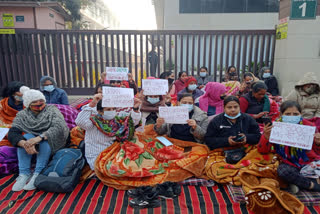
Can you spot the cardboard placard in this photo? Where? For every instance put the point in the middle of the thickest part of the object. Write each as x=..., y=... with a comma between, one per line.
x=155, y=86
x=293, y=135
x=117, y=97
x=174, y=115
x=116, y=73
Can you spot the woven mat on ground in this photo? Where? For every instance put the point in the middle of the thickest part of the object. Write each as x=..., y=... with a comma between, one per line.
x=93, y=197
x=306, y=197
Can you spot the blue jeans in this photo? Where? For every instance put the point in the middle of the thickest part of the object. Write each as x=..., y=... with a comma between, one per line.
x=25, y=159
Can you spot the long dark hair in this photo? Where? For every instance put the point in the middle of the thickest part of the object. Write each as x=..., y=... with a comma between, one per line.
x=11, y=88
x=288, y=104
x=257, y=86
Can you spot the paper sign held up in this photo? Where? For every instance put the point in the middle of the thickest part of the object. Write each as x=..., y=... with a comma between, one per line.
x=117, y=97
x=3, y=132
x=116, y=73
x=174, y=115
x=293, y=135
x=155, y=86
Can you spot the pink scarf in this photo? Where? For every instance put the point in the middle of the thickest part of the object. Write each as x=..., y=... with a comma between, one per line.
x=212, y=97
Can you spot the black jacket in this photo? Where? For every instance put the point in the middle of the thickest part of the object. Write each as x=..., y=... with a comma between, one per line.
x=220, y=129
x=272, y=84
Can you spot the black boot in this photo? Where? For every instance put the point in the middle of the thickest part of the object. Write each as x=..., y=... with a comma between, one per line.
x=169, y=190
x=148, y=198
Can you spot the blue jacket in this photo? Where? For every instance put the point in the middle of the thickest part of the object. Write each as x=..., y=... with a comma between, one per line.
x=57, y=96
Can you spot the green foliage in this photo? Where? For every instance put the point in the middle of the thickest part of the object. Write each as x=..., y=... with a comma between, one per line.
x=168, y=68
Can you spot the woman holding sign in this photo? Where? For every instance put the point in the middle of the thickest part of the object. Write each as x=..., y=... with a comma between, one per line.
x=102, y=128
x=293, y=159
x=194, y=130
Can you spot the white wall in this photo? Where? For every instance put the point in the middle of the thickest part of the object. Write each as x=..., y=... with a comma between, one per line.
x=173, y=20
x=298, y=54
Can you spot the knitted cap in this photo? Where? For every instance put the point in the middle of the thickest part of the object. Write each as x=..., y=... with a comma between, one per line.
x=189, y=80
x=24, y=89
x=32, y=95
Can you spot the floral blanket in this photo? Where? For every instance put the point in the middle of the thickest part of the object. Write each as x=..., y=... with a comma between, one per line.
x=146, y=161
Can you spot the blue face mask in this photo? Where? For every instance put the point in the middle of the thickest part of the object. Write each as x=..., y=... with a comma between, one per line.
x=232, y=118
x=291, y=119
x=153, y=100
x=189, y=106
x=48, y=88
x=192, y=87
x=203, y=74
x=266, y=75
x=18, y=98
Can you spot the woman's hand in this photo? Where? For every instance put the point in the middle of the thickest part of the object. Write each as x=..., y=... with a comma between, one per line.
x=137, y=103
x=96, y=99
x=231, y=141
x=160, y=122
x=31, y=150
x=168, y=98
x=261, y=114
x=267, y=130
x=33, y=141
x=244, y=140
x=201, y=86
x=141, y=95
x=192, y=123
x=317, y=139
x=103, y=76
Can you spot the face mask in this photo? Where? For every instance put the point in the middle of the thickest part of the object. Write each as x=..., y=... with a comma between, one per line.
x=153, y=100
x=18, y=98
x=37, y=108
x=266, y=75
x=233, y=74
x=192, y=87
x=222, y=97
x=291, y=119
x=189, y=106
x=170, y=80
x=109, y=115
x=48, y=88
x=232, y=118
x=203, y=74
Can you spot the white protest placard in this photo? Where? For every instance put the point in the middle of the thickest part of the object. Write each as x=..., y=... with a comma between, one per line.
x=117, y=97
x=3, y=132
x=155, y=86
x=116, y=73
x=293, y=135
x=174, y=115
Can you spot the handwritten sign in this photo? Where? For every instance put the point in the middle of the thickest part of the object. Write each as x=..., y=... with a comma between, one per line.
x=174, y=115
x=117, y=97
x=116, y=73
x=3, y=132
x=155, y=87
x=293, y=135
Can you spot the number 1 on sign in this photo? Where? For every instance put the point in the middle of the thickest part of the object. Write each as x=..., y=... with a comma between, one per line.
x=304, y=7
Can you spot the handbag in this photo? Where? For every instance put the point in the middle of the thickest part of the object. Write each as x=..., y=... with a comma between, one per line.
x=234, y=156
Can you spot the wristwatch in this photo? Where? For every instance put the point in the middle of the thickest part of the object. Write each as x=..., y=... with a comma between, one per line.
x=42, y=137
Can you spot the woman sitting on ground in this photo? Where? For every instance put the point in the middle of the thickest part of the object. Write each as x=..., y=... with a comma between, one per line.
x=204, y=77
x=293, y=159
x=10, y=105
x=257, y=103
x=231, y=137
x=195, y=128
x=179, y=84
x=248, y=80
x=169, y=75
x=103, y=126
x=53, y=94
x=38, y=129
x=191, y=87
x=150, y=106
x=231, y=81
x=270, y=81
x=212, y=101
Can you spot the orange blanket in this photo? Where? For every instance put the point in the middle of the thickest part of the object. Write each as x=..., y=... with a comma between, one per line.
x=146, y=162
x=7, y=115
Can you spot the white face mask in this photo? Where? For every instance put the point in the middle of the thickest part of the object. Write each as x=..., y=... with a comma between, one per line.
x=109, y=115
x=192, y=87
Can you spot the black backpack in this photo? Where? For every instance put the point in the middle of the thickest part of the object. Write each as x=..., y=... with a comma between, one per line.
x=63, y=172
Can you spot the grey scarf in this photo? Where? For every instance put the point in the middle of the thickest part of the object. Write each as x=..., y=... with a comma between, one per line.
x=49, y=122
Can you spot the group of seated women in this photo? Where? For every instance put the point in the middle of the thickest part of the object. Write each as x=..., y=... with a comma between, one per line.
x=219, y=125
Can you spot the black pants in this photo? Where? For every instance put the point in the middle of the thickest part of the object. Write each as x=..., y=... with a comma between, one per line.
x=292, y=175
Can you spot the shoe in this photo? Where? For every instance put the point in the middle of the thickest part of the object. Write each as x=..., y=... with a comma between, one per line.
x=20, y=182
x=294, y=188
x=169, y=190
x=133, y=193
x=30, y=185
x=148, y=199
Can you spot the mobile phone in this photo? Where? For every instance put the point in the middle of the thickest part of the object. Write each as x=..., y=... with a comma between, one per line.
x=239, y=138
x=266, y=120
